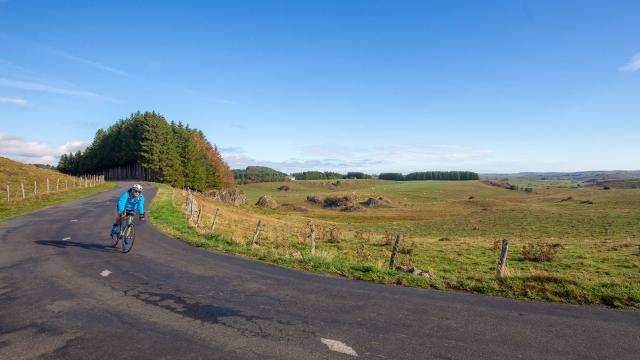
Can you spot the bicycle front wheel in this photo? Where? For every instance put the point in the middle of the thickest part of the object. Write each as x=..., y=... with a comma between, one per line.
x=128, y=238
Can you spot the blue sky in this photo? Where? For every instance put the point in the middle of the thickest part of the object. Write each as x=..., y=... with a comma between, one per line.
x=372, y=86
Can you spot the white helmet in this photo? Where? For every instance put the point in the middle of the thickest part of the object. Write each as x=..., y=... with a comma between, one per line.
x=137, y=187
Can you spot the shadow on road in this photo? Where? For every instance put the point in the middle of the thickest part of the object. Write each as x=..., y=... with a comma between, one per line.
x=66, y=244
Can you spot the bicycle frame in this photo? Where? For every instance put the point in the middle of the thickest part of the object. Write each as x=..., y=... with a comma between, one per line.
x=126, y=220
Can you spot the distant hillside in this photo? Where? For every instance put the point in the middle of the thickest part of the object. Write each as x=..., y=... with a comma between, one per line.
x=177, y=154
x=254, y=174
x=580, y=176
x=619, y=184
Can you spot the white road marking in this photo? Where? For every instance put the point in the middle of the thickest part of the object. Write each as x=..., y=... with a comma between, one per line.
x=105, y=273
x=66, y=238
x=339, y=346
x=74, y=220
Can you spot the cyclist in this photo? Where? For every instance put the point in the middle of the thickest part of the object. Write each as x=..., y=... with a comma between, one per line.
x=130, y=201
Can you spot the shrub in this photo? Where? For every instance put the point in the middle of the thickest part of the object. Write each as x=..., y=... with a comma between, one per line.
x=333, y=235
x=405, y=250
x=314, y=199
x=376, y=202
x=389, y=237
x=283, y=188
x=267, y=202
x=540, y=252
x=337, y=201
x=233, y=196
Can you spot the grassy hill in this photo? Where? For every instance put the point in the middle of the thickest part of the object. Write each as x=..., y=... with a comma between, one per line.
x=451, y=229
x=34, y=180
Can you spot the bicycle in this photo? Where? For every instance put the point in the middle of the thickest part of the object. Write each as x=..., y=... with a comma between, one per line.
x=127, y=228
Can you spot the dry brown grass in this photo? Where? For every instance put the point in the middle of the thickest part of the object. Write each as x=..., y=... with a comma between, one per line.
x=15, y=174
x=540, y=252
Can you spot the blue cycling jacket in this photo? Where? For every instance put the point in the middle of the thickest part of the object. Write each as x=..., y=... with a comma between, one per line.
x=130, y=203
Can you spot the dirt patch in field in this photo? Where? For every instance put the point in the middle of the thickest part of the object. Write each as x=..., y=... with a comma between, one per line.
x=291, y=207
x=351, y=207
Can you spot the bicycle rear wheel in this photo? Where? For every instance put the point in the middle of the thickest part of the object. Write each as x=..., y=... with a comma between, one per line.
x=128, y=244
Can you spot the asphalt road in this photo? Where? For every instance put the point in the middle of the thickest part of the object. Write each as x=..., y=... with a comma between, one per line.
x=65, y=294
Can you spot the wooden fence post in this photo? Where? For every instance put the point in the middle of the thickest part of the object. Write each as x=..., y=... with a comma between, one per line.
x=22, y=187
x=502, y=270
x=189, y=202
x=66, y=185
x=58, y=185
x=215, y=218
x=8, y=194
x=313, y=239
x=199, y=216
x=394, y=252
x=47, y=185
x=35, y=188
x=255, y=235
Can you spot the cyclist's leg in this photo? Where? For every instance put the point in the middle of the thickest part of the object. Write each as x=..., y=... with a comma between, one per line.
x=127, y=213
x=116, y=223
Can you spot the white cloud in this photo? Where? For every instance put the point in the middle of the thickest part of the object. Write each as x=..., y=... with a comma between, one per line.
x=224, y=101
x=84, y=61
x=65, y=54
x=17, y=148
x=14, y=100
x=368, y=159
x=32, y=86
x=236, y=159
x=439, y=146
x=632, y=65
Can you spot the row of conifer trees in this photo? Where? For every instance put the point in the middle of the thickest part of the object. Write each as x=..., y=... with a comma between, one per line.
x=179, y=155
x=431, y=175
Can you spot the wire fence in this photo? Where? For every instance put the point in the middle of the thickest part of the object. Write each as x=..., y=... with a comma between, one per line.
x=36, y=188
x=272, y=233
